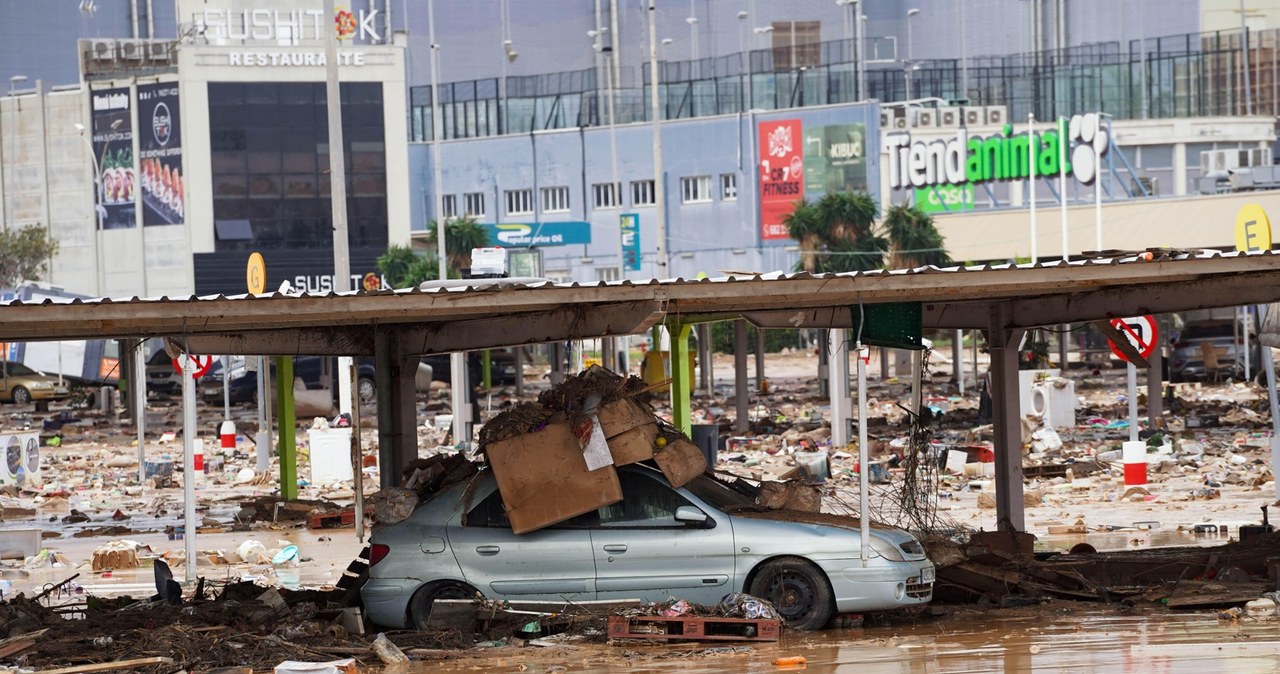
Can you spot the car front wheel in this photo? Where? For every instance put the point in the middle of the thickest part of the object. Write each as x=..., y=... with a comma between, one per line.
x=21, y=395
x=420, y=605
x=798, y=590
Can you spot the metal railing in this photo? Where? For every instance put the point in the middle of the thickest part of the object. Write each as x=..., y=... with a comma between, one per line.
x=1191, y=75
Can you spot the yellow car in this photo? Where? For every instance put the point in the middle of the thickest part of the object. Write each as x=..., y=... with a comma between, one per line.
x=22, y=384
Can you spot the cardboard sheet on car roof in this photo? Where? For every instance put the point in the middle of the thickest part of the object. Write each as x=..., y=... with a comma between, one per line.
x=544, y=479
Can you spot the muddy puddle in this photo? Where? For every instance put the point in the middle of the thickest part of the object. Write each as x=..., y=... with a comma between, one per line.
x=1038, y=639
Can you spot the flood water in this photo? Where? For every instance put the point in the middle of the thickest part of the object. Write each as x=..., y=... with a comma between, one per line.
x=1035, y=639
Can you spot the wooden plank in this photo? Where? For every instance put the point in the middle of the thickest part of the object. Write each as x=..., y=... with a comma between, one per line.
x=109, y=666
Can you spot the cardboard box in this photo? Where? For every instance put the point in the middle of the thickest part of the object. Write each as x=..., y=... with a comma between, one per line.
x=681, y=461
x=620, y=416
x=634, y=445
x=544, y=479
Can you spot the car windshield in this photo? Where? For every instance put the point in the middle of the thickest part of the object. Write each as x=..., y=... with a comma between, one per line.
x=718, y=494
x=1208, y=331
x=18, y=369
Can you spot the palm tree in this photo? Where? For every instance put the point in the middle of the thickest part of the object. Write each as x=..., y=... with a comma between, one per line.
x=838, y=233
x=460, y=236
x=806, y=226
x=404, y=268
x=914, y=238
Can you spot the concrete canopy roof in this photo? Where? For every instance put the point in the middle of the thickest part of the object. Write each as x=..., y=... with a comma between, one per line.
x=481, y=314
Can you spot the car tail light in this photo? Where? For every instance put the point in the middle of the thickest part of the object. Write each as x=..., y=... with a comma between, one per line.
x=378, y=552
x=1180, y=345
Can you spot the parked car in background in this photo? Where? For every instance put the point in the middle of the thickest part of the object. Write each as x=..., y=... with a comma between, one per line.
x=21, y=384
x=699, y=543
x=1186, y=362
x=244, y=378
x=502, y=367
x=162, y=377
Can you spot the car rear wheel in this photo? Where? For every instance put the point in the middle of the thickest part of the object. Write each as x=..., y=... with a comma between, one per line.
x=21, y=395
x=420, y=605
x=798, y=590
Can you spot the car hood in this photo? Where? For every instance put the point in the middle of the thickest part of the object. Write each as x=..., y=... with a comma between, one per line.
x=819, y=525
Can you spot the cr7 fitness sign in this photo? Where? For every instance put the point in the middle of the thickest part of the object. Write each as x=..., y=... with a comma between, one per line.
x=781, y=175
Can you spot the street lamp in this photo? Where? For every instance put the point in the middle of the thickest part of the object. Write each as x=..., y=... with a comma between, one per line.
x=743, y=56
x=13, y=81
x=910, y=52
x=99, y=209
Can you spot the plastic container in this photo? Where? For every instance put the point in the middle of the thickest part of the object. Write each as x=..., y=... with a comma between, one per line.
x=389, y=653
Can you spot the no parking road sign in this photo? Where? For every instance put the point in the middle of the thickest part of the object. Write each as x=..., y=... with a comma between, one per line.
x=1142, y=334
x=200, y=364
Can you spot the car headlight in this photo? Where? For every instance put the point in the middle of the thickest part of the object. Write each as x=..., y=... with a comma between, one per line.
x=887, y=550
x=41, y=384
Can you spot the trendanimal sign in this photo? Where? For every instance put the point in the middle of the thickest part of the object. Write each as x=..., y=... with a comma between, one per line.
x=967, y=159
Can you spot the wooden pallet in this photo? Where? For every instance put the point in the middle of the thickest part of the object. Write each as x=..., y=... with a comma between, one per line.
x=693, y=628
x=333, y=520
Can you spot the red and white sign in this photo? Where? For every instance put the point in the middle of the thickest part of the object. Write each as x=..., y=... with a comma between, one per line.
x=781, y=175
x=1142, y=334
x=201, y=364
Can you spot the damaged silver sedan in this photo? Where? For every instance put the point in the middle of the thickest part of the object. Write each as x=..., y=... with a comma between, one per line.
x=698, y=543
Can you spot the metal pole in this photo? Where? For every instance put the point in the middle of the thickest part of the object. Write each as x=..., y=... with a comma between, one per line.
x=226, y=388
x=860, y=38
x=864, y=517
x=459, y=401
x=1097, y=190
x=1062, y=183
x=263, y=446
x=613, y=165
x=337, y=158
x=1244, y=52
x=957, y=358
x=1032, y=144
x=964, y=55
x=1133, y=402
x=140, y=404
x=189, y=463
x=659, y=183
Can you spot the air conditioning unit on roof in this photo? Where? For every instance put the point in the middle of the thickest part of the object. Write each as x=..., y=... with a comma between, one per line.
x=900, y=123
x=997, y=115
x=926, y=118
x=886, y=119
x=974, y=117
x=102, y=50
x=159, y=52
x=949, y=117
x=131, y=50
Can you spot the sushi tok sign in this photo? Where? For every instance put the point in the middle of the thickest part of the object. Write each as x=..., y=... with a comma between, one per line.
x=160, y=149
x=116, y=173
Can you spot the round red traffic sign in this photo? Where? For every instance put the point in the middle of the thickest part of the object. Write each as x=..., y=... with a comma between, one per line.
x=1142, y=334
x=202, y=364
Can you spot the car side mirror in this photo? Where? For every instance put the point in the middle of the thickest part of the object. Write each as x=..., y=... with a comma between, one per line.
x=692, y=515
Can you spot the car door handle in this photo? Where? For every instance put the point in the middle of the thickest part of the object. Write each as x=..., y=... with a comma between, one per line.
x=615, y=548
x=488, y=549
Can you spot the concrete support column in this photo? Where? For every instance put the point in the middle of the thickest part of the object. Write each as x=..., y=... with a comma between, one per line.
x=824, y=364
x=957, y=359
x=1180, y=169
x=741, y=390
x=288, y=429
x=397, y=408
x=841, y=404
x=1008, y=425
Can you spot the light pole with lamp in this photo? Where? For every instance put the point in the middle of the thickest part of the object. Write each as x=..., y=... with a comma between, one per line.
x=659, y=184
x=99, y=199
x=910, y=52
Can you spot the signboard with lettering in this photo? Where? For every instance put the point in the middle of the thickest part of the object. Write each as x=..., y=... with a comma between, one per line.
x=160, y=149
x=781, y=175
x=630, y=224
x=945, y=198
x=835, y=159
x=527, y=234
x=112, y=122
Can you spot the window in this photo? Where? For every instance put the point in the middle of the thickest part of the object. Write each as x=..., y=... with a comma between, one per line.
x=729, y=186
x=555, y=200
x=474, y=203
x=645, y=503
x=607, y=195
x=796, y=44
x=519, y=202
x=449, y=206
x=491, y=513
x=607, y=274
x=642, y=193
x=695, y=189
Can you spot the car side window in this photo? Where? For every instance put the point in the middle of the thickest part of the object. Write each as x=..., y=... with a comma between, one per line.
x=646, y=503
x=491, y=513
